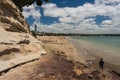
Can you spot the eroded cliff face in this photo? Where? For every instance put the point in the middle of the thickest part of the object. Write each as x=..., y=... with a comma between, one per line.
x=17, y=46
x=11, y=18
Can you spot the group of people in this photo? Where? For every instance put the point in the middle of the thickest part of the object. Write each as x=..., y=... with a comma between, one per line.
x=101, y=64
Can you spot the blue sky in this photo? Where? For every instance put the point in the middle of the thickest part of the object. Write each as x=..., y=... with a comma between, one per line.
x=61, y=3
x=71, y=3
x=76, y=16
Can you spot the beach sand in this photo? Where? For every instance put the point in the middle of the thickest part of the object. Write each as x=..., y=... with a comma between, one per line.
x=61, y=62
x=58, y=44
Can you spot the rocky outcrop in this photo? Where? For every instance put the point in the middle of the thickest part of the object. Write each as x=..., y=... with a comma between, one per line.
x=17, y=46
x=11, y=18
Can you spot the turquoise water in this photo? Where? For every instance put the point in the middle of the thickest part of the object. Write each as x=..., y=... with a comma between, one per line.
x=101, y=46
x=110, y=41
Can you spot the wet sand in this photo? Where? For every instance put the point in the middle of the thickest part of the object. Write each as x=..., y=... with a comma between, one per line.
x=93, y=52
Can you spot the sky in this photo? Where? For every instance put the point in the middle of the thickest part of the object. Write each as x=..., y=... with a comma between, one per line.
x=75, y=16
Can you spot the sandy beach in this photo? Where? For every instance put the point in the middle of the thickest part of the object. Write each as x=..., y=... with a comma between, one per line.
x=58, y=44
x=61, y=62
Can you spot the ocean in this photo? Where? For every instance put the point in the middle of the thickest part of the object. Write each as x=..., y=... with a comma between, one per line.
x=106, y=47
x=109, y=42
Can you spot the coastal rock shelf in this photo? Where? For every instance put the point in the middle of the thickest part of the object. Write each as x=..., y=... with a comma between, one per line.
x=11, y=18
x=26, y=53
x=20, y=59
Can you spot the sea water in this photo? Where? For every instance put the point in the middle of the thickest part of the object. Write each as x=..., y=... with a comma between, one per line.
x=106, y=47
x=111, y=42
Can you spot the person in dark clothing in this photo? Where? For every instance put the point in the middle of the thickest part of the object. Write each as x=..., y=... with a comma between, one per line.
x=101, y=64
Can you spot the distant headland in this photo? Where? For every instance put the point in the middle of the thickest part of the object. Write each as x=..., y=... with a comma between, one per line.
x=72, y=34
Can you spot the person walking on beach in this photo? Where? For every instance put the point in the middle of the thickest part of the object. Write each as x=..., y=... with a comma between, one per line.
x=101, y=64
x=90, y=63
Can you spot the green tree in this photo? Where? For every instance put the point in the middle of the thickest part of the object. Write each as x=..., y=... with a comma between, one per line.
x=33, y=33
x=22, y=3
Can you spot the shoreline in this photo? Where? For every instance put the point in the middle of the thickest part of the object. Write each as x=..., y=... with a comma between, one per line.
x=90, y=52
x=60, y=63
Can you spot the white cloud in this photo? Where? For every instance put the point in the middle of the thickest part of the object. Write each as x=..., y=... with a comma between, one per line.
x=81, y=17
x=53, y=11
x=31, y=11
x=107, y=22
x=108, y=2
